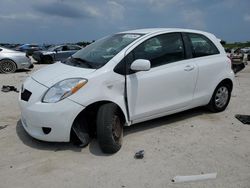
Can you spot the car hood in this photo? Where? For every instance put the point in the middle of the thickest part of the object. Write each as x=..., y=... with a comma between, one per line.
x=52, y=74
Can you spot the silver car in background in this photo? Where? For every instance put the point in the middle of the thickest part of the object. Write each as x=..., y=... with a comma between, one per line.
x=11, y=60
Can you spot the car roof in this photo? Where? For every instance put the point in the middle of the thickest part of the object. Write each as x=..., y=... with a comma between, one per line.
x=156, y=30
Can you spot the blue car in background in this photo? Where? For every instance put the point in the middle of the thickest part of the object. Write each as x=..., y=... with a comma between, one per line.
x=55, y=53
x=29, y=49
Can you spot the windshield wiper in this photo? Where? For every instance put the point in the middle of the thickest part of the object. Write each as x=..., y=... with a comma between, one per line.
x=83, y=61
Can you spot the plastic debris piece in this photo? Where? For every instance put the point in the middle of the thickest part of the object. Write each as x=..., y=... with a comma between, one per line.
x=3, y=127
x=6, y=88
x=179, y=179
x=83, y=137
x=139, y=154
x=245, y=119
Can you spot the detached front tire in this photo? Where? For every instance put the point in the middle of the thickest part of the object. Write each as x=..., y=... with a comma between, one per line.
x=109, y=128
x=220, y=98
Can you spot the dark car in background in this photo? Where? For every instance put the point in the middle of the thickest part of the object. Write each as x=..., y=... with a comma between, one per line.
x=55, y=53
x=29, y=49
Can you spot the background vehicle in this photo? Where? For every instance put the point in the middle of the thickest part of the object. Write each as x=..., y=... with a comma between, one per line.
x=237, y=58
x=123, y=79
x=55, y=53
x=11, y=60
x=29, y=49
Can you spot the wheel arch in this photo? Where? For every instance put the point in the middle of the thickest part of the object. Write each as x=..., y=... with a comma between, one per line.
x=210, y=105
x=10, y=60
x=90, y=113
x=227, y=81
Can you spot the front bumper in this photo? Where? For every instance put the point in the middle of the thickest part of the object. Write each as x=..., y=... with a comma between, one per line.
x=58, y=117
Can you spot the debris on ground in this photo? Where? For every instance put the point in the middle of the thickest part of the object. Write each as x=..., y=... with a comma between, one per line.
x=82, y=137
x=3, y=127
x=139, y=154
x=180, y=179
x=6, y=88
x=245, y=119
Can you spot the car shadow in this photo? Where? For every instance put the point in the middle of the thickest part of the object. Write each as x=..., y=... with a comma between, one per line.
x=23, y=70
x=151, y=124
x=94, y=146
x=42, y=63
x=95, y=149
x=42, y=145
x=164, y=121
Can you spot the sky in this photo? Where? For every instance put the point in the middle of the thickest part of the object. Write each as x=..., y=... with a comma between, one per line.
x=59, y=21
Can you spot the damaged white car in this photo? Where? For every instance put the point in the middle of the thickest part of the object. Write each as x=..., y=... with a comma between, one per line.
x=123, y=79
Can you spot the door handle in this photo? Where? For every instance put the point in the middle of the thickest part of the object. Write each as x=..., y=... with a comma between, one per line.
x=189, y=68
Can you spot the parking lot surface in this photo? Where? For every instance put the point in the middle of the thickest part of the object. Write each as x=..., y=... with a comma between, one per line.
x=188, y=143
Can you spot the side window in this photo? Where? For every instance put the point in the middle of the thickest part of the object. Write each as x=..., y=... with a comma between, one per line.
x=202, y=46
x=161, y=49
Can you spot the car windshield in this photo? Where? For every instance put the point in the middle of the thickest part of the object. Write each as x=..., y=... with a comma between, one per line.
x=100, y=52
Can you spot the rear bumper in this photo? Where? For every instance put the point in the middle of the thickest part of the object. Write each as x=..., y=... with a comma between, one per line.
x=25, y=64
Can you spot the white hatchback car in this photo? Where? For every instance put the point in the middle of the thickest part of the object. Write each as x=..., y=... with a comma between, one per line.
x=123, y=79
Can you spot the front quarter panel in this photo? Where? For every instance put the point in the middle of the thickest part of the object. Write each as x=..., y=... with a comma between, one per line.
x=104, y=85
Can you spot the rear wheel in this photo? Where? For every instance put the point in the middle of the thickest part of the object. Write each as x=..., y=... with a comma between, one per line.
x=7, y=66
x=220, y=98
x=109, y=128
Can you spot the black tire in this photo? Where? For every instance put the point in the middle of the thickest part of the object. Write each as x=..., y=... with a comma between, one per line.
x=7, y=66
x=217, y=103
x=47, y=59
x=109, y=128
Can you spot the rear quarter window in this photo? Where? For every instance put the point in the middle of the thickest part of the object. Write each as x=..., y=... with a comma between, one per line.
x=202, y=46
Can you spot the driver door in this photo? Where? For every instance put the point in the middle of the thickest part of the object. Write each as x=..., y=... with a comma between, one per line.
x=169, y=84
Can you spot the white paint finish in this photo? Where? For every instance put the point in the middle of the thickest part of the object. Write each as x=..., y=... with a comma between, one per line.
x=162, y=90
x=52, y=74
x=58, y=116
x=140, y=65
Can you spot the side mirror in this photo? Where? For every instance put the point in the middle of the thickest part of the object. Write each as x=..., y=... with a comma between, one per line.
x=140, y=65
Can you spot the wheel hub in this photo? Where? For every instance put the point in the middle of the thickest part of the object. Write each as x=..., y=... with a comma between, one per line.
x=7, y=66
x=116, y=128
x=221, y=97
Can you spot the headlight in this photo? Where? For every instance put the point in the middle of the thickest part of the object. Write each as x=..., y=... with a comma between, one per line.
x=63, y=89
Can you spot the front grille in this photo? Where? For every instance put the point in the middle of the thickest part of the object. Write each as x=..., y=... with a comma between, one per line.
x=25, y=95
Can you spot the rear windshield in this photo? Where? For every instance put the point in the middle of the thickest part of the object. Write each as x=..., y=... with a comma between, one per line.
x=100, y=52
